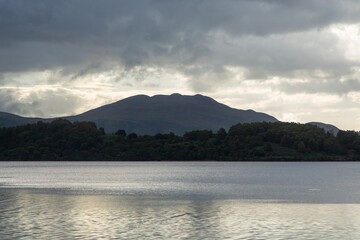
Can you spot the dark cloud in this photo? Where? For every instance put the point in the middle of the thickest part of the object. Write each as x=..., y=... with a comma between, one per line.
x=161, y=21
x=197, y=38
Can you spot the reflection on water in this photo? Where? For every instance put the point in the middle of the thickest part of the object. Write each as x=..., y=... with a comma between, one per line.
x=29, y=215
x=293, y=182
x=117, y=200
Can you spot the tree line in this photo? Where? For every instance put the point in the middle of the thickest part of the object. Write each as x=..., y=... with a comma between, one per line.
x=278, y=141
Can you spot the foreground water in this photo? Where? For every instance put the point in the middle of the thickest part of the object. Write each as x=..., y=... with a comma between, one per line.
x=181, y=200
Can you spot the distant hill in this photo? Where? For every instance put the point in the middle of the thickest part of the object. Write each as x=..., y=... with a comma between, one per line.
x=168, y=113
x=327, y=127
x=142, y=114
x=10, y=120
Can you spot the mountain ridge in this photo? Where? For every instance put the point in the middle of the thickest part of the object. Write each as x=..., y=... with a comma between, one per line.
x=327, y=127
x=169, y=113
x=143, y=114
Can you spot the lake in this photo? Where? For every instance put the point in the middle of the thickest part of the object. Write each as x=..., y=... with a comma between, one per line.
x=179, y=200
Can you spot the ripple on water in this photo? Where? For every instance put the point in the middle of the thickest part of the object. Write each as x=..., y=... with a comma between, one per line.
x=179, y=200
x=47, y=216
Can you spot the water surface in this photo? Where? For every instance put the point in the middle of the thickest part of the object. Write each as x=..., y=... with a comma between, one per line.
x=179, y=200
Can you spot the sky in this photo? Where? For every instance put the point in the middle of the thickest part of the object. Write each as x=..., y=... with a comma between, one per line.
x=298, y=61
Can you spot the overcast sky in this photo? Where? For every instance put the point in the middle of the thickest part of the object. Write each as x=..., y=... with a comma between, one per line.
x=296, y=60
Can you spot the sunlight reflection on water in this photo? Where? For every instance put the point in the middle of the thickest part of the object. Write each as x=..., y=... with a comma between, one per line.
x=28, y=215
x=179, y=200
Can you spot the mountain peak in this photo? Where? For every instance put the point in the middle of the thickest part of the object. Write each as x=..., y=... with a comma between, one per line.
x=176, y=113
x=168, y=113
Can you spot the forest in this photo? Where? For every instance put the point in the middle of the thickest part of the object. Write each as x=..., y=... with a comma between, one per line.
x=62, y=140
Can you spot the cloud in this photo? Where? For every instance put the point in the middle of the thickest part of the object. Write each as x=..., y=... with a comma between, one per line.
x=322, y=86
x=47, y=35
x=167, y=45
x=160, y=21
x=40, y=103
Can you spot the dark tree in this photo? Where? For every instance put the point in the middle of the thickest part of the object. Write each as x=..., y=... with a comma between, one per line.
x=121, y=132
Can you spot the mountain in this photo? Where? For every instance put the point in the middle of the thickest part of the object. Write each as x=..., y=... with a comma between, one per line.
x=327, y=127
x=10, y=120
x=163, y=114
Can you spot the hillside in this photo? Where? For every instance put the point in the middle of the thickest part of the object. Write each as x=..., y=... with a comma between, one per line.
x=327, y=127
x=11, y=120
x=168, y=113
x=265, y=141
x=142, y=114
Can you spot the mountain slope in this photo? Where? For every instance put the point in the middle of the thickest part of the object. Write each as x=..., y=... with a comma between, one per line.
x=10, y=120
x=159, y=114
x=168, y=113
x=327, y=127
